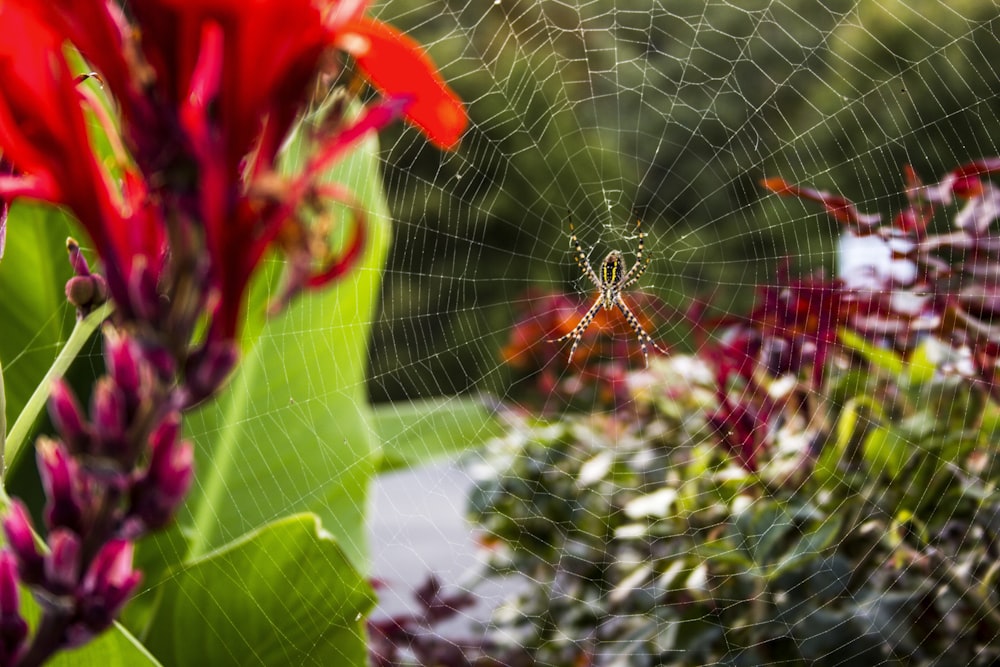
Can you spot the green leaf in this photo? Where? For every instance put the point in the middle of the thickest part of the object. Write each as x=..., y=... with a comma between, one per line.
x=921, y=367
x=884, y=358
x=291, y=433
x=282, y=595
x=420, y=432
x=887, y=451
x=855, y=420
x=36, y=316
x=18, y=439
x=809, y=547
x=763, y=528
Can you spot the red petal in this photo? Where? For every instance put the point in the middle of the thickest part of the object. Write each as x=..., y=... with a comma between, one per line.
x=345, y=262
x=398, y=66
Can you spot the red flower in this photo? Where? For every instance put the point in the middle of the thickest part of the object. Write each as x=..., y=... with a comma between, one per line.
x=42, y=129
x=208, y=96
x=397, y=66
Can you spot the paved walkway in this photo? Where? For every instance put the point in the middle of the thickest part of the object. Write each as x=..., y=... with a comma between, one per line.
x=418, y=528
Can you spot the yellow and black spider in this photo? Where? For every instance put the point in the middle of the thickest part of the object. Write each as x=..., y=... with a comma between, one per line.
x=610, y=282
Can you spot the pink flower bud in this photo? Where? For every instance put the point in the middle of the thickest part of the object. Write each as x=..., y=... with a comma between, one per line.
x=143, y=294
x=21, y=541
x=110, y=418
x=106, y=587
x=63, y=484
x=67, y=417
x=123, y=361
x=76, y=258
x=13, y=628
x=207, y=369
x=62, y=565
x=158, y=493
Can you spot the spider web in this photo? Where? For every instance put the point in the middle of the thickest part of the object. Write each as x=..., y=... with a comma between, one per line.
x=672, y=111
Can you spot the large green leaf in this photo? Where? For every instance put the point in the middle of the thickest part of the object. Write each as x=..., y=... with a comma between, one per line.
x=424, y=431
x=291, y=432
x=282, y=595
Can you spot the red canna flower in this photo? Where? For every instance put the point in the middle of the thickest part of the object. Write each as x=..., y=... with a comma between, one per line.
x=43, y=135
x=208, y=93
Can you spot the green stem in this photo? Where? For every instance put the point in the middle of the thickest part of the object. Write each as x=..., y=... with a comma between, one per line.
x=3, y=417
x=23, y=427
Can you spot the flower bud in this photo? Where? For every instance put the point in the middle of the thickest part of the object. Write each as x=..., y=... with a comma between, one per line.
x=106, y=587
x=158, y=493
x=62, y=565
x=21, y=541
x=13, y=628
x=62, y=481
x=76, y=258
x=80, y=291
x=122, y=358
x=207, y=369
x=110, y=419
x=143, y=294
x=67, y=417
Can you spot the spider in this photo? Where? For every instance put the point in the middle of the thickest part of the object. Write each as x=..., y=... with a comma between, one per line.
x=610, y=282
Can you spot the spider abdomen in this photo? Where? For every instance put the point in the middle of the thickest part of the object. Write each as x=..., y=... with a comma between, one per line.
x=612, y=272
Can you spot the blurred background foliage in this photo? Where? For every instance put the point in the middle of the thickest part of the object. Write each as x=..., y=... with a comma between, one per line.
x=673, y=110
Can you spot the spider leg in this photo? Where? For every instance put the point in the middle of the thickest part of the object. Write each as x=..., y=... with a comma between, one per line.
x=639, y=267
x=633, y=322
x=581, y=258
x=577, y=333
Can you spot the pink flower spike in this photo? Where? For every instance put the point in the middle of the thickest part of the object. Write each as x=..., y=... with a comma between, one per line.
x=207, y=369
x=109, y=417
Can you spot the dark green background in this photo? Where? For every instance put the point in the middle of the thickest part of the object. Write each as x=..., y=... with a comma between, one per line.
x=675, y=110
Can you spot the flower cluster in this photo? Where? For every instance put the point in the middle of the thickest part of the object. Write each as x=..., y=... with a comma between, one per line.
x=918, y=285
x=929, y=284
x=195, y=101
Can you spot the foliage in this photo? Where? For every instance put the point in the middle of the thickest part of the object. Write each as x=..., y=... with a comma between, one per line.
x=642, y=543
x=818, y=485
